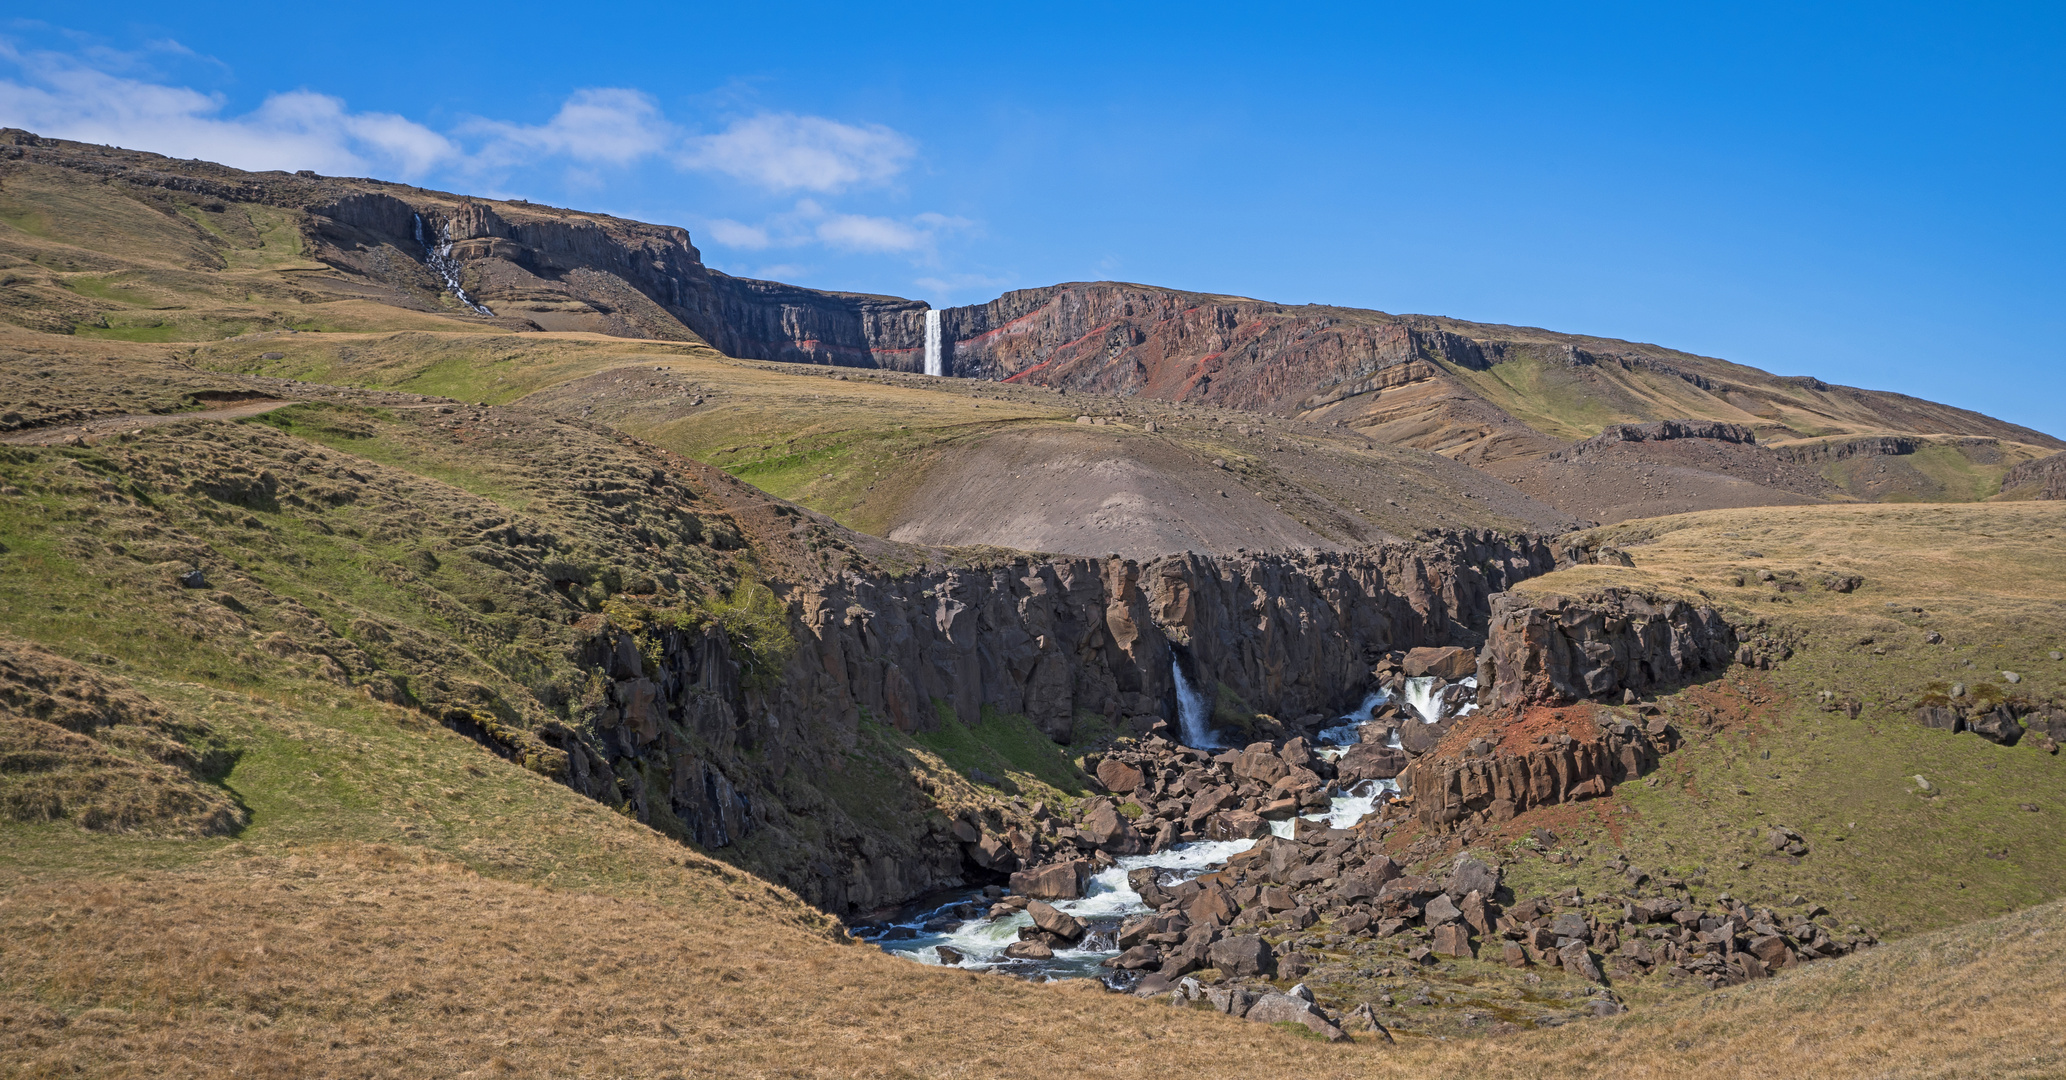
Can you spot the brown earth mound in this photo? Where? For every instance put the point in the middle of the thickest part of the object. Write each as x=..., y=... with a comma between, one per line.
x=81, y=746
x=1620, y=480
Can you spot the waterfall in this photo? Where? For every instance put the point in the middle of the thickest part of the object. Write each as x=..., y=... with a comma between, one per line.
x=1424, y=696
x=934, y=364
x=439, y=259
x=1192, y=714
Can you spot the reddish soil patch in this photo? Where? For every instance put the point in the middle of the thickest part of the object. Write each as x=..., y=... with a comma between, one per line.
x=1521, y=731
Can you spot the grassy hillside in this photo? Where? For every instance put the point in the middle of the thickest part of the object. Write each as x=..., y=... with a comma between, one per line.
x=1780, y=747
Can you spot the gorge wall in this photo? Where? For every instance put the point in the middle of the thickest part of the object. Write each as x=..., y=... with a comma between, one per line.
x=675, y=735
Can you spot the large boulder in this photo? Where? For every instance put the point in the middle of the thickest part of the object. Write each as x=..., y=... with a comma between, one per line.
x=1055, y=881
x=1260, y=762
x=1469, y=875
x=1451, y=939
x=1369, y=761
x=1998, y=725
x=1244, y=956
x=1236, y=825
x=1118, y=776
x=1287, y=1009
x=1028, y=950
x=1448, y=662
x=1055, y=921
x=1579, y=962
x=1108, y=830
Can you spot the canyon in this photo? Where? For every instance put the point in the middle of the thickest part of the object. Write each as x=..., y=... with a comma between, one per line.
x=391, y=574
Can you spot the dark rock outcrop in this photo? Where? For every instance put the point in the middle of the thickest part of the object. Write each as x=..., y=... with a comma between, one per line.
x=1451, y=793
x=1554, y=650
x=2044, y=478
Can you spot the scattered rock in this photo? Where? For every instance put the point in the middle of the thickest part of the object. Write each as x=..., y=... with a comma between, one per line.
x=950, y=956
x=1056, y=881
x=1243, y=956
x=1055, y=921
x=1287, y=1009
x=1028, y=950
x=1118, y=776
x=1448, y=662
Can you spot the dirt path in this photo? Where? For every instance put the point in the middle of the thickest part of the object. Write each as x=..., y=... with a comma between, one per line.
x=75, y=434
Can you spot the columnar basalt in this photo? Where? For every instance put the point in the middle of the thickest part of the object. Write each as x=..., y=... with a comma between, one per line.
x=1551, y=650
x=675, y=736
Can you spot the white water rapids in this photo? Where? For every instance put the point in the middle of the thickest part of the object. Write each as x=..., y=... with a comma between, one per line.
x=1107, y=901
x=935, y=363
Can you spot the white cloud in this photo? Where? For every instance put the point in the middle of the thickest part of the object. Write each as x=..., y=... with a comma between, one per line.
x=101, y=95
x=604, y=126
x=787, y=152
x=960, y=283
x=810, y=222
x=857, y=232
x=57, y=96
x=736, y=234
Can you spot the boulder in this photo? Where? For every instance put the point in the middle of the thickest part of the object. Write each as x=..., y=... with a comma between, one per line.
x=1471, y=875
x=1028, y=950
x=1474, y=914
x=1940, y=717
x=1260, y=763
x=1244, y=956
x=1236, y=825
x=1232, y=1000
x=1365, y=884
x=950, y=956
x=1451, y=939
x=1138, y=958
x=1108, y=830
x=1997, y=725
x=1513, y=955
x=992, y=852
x=1287, y=1009
x=1118, y=776
x=1578, y=961
x=1369, y=761
x=1449, y=662
x=1571, y=926
x=1055, y=921
x=1293, y=966
x=1441, y=910
x=1280, y=810
x=1055, y=881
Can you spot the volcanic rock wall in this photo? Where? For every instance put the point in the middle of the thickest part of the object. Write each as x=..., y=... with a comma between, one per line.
x=1114, y=338
x=675, y=737
x=1558, y=649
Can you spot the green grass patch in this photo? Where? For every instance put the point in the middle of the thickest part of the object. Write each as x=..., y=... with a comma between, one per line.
x=1003, y=744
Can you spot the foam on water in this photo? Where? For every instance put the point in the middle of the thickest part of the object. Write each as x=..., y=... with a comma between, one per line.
x=1425, y=699
x=1107, y=896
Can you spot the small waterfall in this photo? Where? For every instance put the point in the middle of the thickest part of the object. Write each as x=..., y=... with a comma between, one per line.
x=439, y=259
x=934, y=363
x=1425, y=698
x=1350, y=729
x=1192, y=715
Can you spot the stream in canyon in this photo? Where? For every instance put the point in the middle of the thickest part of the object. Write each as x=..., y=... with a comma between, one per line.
x=974, y=936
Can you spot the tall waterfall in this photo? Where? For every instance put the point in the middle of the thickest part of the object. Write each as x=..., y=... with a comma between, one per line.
x=439, y=258
x=934, y=363
x=1193, y=717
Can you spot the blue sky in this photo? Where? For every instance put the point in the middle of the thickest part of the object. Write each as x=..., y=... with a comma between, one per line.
x=1868, y=194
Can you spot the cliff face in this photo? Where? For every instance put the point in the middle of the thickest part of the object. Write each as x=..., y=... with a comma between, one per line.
x=678, y=739
x=2044, y=478
x=1557, y=650
x=1412, y=380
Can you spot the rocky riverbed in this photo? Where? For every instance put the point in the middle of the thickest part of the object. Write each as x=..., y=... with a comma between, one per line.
x=1293, y=881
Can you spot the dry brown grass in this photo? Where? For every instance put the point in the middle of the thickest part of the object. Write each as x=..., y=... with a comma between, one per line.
x=372, y=961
